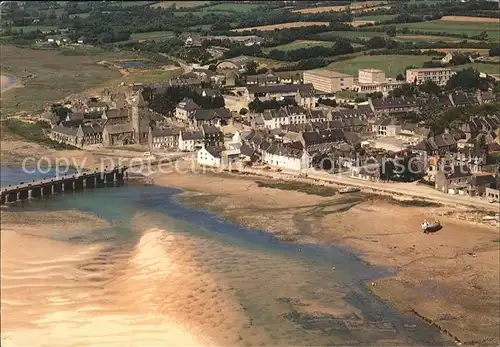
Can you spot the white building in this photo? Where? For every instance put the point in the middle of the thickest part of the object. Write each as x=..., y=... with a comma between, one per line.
x=440, y=75
x=274, y=119
x=287, y=156
x=371, y=76
x=190, y=141
x=209, y=156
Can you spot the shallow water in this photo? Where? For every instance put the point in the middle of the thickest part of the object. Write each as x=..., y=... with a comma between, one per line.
x=233, y=284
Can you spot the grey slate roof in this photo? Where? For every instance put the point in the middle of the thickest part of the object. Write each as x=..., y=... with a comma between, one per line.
x=208, y=114
x=64, y=130
x=167, y=132
x=281, y=88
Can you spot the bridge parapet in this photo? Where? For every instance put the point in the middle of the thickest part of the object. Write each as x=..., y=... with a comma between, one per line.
x=60, y=184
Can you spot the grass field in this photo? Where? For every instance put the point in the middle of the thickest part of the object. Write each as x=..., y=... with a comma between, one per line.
x=353, y=6
x=151, y=76
x=429, y=38
x=300, y=44
x=231, y=7
x=48, y=76
x=490, y=69
x=469, y=28
x=281, y=26
x=135, y=3
x=81, y=15
x=153, y=35
x=391, y=64
x=201, y=13
x=375, y=18
x=42, y=28
x=357, y=34
x=179, y=4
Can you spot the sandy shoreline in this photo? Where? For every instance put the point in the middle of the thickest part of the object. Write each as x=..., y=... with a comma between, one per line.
x=53, y=291
x=451, y=277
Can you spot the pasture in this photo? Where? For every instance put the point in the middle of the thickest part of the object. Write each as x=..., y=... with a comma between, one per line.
x=353, y=6
x=80, y=15
x=135, y=3
x=50, y=75
x=451, y=27
x=329, y=35
x=391, y=64
x=376, y=18
x=238, y=7
x=152, y=35
x=430, y=38
x=42, y=28
x=471, y=19
x=300, y=44
x=179, y=4
x=490, y=69
x=281, y=26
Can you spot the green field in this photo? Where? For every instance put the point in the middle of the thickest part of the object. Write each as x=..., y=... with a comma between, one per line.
x=378, y=18
x=232, y=7
x=391, y=64
x=50, y=75
x=135, y=3
x=469, y=28
x=201, y=13
x=42, y=28
x=179, y=4
x=416, y=38
x=81, y=15
x=300, y=44
x=152, y=35
x=490, y=69
x=356, y=34
x=152, y=76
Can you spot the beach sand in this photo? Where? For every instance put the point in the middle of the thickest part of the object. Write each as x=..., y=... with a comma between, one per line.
x=451, y=277
x=57, y=293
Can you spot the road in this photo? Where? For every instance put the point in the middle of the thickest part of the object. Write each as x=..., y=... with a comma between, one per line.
x=409, y=189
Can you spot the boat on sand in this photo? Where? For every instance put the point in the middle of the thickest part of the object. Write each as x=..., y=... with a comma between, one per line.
x=430, y=226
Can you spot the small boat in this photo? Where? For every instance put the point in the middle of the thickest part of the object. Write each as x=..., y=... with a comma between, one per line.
x=349, y=190
x=430, y=227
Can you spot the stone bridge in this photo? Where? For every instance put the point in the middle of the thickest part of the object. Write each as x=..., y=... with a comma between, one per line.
x=65, y=183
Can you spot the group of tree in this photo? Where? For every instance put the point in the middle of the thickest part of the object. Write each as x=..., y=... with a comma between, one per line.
x=166, y=102
x=340, y=47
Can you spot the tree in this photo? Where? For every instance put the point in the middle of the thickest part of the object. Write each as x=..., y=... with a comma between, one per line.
x=404, y=90
x=495, y=51
x=251, y=67
x=481, y=141
x=243, y=111
x=376, y=42
x=465, y=79
x=391, y=32
x=400, y=77
x=430, y=87
x=212, y=67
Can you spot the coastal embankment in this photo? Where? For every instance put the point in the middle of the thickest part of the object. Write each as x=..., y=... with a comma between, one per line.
x=451, y=276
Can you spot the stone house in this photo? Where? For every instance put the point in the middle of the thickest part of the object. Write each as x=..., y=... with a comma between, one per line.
x=118, y=134
x=479, y=183
x=393, y=105
x=453, y=179
x=212, y=135
x=190, y=140
x=209, y=156
x=306, y=97
x=321, y=140
x=162, y=139
x=287, y=156
x=492, y=194
x=370, y=172
x=64, y=134
x=96, y=107
x=87, y=135
x=185, y=108
x=386, y=127
x=217, y=117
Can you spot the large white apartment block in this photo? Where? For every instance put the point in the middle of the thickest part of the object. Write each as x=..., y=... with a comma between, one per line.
x=328, y=81
x=440, y=75
x=369, y=76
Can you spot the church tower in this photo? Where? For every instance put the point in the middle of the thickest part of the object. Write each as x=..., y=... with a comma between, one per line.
x=140, y=118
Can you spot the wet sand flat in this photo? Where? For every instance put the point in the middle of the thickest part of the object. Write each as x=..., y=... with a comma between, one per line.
x=451, y=277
